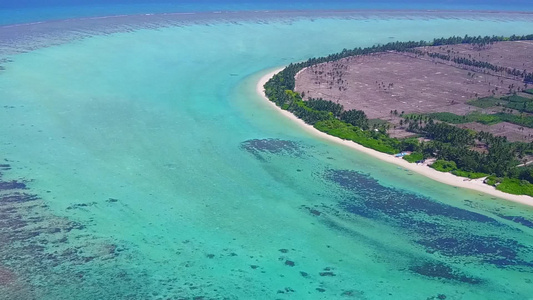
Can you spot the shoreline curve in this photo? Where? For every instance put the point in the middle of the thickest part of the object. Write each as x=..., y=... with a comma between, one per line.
x=446, y=178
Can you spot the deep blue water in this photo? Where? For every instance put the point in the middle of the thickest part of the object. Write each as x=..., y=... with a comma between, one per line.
x=13, y=12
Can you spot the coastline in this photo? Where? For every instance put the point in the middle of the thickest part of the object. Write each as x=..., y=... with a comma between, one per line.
x=446, y=178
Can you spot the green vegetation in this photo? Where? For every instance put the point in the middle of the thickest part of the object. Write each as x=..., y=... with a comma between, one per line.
x=517, y=182
x=325, y=105
x=522, y=119
x=300, y=108
x=370, y=139
x=530, y=91
x=444, y=166
x=414, y=157
x=376, y=123
x=487, y=119
x=450, y=166
x=452, y=146
x=515, y=186
x=486, y=102
x=356, y=118
x=516, y=98
x=410, y=144
x=521, y=104
x=493, y=180
x=471, y=175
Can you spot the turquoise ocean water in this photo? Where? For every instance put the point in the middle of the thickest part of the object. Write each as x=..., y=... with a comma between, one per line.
x=147, y=167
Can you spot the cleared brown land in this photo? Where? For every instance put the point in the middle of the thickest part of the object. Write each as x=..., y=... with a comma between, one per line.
x=412, y=83
x=383, y=82
x=513, y=132
x=517, y=54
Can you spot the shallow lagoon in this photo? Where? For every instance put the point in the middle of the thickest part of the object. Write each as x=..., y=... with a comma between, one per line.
x=159, y=172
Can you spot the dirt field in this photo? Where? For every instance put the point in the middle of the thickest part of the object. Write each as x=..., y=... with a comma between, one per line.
x=409, y=83
x=514, y=133
x=517, y=54
x=383, y=82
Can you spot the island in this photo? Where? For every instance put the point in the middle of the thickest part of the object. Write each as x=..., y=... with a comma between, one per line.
x=458, y=105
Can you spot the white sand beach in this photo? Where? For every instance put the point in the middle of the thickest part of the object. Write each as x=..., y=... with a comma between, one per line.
x=425, y=170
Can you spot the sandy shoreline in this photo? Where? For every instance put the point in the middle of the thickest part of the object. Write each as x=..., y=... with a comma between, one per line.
x=446, y=178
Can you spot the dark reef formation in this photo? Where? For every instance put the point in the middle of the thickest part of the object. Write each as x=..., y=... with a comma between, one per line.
x=453, y=232
x=43, y=255
x=261, y=148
